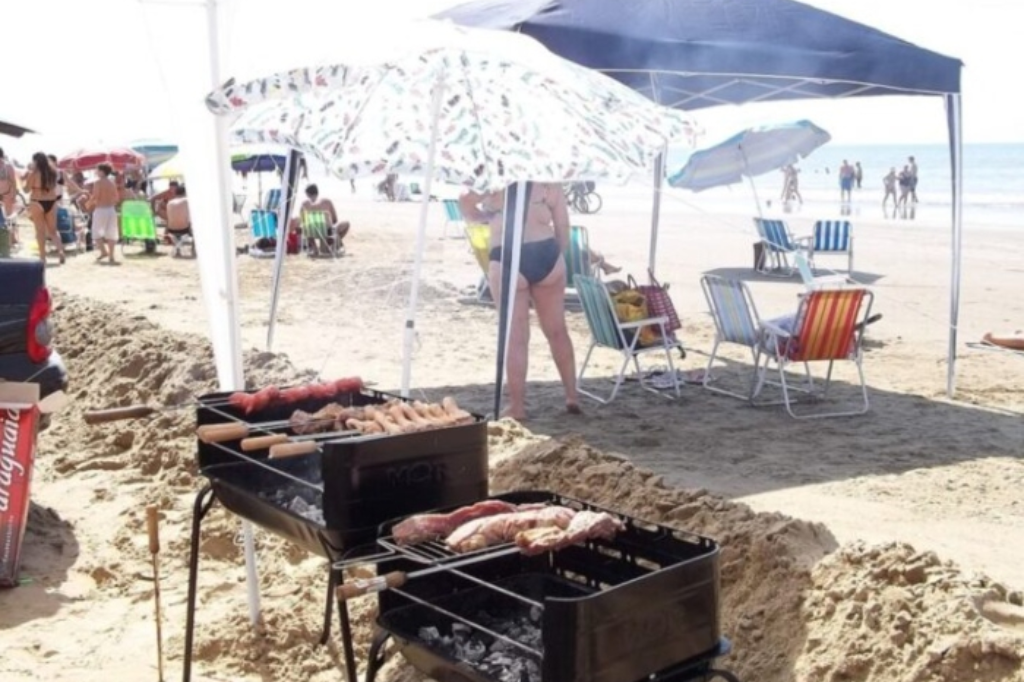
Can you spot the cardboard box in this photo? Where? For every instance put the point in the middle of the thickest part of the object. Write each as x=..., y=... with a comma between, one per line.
x=20, y=408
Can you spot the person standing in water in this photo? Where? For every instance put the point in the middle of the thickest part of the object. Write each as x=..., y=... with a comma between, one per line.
x=890, y=188
x=912, y=166
x=858, y=174
x=846, y=174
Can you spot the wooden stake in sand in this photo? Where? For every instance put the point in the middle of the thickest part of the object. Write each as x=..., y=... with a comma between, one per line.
x=154, y=549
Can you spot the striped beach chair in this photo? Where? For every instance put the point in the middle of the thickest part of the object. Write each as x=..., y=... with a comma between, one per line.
x=828, y=327
x=263, y=224
x=779, y=244
x=832, y=237
x=607, y=331
x=316, y=225
x=736, y=321
x=137, y=223
x=452, y=216
x=577, y=256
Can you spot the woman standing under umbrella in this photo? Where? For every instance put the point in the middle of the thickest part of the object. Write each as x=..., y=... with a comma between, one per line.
x=541, y=279
x=41, y=183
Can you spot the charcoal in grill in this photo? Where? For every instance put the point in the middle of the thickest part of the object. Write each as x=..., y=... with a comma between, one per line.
x=355, y=484
x=613, y=610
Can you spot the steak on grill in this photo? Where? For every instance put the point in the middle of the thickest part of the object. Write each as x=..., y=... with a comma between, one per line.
x=427, y=527
x=585, y=525
x=495, y=530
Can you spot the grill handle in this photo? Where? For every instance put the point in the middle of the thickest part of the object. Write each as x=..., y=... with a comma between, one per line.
x=219, y=433
x=117, y=414
x=263, y=442
x=293, y=449
x=356, y=588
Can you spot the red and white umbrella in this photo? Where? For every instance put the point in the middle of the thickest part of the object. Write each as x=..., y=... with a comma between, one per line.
x=87, y=159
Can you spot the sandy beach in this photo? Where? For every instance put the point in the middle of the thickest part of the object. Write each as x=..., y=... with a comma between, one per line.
x=875, y=548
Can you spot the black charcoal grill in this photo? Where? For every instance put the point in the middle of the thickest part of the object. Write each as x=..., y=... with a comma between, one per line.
x=332, y=502
x=644, y=606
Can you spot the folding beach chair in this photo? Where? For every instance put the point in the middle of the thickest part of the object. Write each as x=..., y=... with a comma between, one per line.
x=262, y=226
x=779, y=244
x=237, y=203
x=479, y=239
x=317, y=225
x=831, y=237
x=272, y=200
x=607, y=331
x=811, y=281
x=137, y=223
x=829, y=326
x=736, y=321
x=577, y=257
x=452, y=216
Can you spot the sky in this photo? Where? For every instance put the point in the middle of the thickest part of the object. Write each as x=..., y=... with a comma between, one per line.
x=105, y=75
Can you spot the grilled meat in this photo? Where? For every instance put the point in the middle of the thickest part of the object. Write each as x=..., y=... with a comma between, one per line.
x=585, y=525
x=426, y=527
x=495, y=530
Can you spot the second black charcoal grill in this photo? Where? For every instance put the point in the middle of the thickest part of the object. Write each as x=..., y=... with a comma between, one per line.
x=332, y=501
x=643, y=606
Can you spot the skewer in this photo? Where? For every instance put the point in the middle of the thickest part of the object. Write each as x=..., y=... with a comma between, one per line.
x=396, y=579
x=261, y=442
x=236, y=430
x=154, y=549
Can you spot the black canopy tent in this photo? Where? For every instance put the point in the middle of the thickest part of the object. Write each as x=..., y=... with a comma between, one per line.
x=695, y=54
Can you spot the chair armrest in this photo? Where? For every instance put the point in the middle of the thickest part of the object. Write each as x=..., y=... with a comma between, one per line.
x=636, y=324
x=775, y=329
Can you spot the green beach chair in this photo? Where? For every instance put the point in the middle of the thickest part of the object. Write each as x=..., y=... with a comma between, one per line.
x=577, y=256
x=608, y=331
x=137, y=224
x=316, y=225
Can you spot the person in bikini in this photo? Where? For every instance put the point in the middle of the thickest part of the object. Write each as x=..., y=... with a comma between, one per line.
x=103, y=200
x=41, y=183
x=541, y=280
x=8, y=193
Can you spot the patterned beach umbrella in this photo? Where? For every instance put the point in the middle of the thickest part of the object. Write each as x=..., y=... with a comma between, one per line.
x=87, y=159
x=506, y=110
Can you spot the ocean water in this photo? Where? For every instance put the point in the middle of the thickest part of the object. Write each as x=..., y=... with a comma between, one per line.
x=993, y=182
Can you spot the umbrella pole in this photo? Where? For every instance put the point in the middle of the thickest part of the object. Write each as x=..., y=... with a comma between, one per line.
x=512, y=241
x=659, y=175
x=291, y=179
x=753, y=187
x=421, y=242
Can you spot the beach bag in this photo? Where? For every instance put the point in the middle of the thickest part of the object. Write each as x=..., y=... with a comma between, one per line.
x=659, y=303
x=759, y=257
x=630, y=306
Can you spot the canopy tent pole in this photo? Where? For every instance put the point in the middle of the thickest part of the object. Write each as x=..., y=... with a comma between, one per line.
x=409, y=339
x=231, y=282
x=954, y=120
x=659, y=181
x=289, y=184
x=513, y=218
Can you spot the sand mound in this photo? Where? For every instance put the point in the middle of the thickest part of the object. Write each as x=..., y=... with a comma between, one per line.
x=795, y=608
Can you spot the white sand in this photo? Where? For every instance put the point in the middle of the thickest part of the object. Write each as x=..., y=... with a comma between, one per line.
x=941, y=475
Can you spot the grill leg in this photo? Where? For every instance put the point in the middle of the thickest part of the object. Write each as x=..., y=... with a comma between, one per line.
x=346, y=641
x=376, y=655
x=332, y=582
x=204, y=500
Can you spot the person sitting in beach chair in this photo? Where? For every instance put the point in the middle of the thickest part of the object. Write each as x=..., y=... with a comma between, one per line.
x=179, y=221
x=336, y=229
x=1014, y=341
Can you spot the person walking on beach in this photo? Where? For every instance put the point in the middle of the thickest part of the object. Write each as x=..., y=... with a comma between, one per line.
x=912, y=167
x=103, y=201
x=8, y=193
x=791, y=184
x=541, y=280
x=890, y=188
x=41, y=183
x=858, y=173
x=846, y=174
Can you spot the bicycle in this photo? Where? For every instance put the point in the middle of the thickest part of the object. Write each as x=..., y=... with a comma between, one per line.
x=581, y=197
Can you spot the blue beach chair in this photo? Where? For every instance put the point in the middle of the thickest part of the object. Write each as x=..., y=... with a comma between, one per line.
x=736, y=321
x=832, y=237
x=779, y=244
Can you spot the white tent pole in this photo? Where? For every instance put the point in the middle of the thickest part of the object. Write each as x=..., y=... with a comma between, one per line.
x=954, y=117
x=421, y=241
x=231, y=286
x=659, y=181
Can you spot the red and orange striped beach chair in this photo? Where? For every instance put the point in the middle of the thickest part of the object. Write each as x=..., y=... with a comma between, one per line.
x=828, y=326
